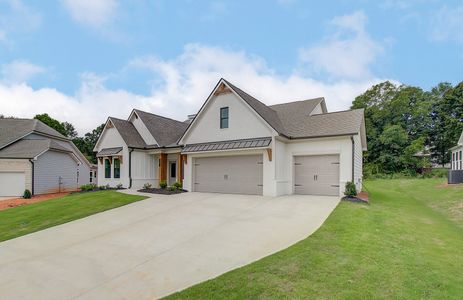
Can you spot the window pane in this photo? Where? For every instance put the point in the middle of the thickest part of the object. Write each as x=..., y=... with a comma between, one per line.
x=173, y=170
x=117, y=168
x=224, y=112
x=107, y=169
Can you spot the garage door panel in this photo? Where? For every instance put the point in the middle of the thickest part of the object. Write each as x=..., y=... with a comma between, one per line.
x=12, y=183
x=229, y=174
x=316, y=174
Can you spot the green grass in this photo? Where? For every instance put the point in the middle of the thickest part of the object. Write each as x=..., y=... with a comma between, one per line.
x=407, y=244
x=26, y=219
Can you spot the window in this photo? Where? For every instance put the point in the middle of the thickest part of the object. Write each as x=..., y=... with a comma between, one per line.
x=117, y=168
x=91, y=176
x=224, y=117
x=107, y=169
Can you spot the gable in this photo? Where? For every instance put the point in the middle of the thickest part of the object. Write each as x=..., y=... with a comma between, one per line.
x=243, y=123
x=109, y=138
x=142, y=129
x=460, y=141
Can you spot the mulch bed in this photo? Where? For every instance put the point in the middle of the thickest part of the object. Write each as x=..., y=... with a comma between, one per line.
x=162, y=191
x=10, y=203
x=361, y=197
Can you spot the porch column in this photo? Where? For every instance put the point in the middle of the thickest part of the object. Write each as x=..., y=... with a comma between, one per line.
x=180, y=162
x=163, y=167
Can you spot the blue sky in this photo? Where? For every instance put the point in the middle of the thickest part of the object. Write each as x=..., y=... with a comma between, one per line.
x=84, y=60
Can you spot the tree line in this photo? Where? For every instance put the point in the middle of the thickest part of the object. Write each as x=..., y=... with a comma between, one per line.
x=402, y=121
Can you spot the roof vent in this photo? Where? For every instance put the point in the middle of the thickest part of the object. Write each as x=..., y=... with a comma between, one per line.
x=190, y=118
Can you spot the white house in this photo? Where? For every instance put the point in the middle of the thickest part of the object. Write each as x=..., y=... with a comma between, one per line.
x=456, y=160
x=237, y=144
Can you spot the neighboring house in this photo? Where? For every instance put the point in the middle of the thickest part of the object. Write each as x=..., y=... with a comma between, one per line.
x=142, y=149
x=36, y=157
x=456, y=163
x=237, y=144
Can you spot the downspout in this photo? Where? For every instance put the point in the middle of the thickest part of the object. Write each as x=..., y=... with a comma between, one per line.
x=130, y=167
x=353, y=156
x=32, y=179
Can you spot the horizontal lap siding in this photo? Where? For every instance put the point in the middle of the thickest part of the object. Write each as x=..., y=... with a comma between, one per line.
x=52, y=165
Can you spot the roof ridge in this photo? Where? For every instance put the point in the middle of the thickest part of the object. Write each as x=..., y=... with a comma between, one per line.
x=297, y=101
x=235, y=87
x=138, y=110
x=336, y=112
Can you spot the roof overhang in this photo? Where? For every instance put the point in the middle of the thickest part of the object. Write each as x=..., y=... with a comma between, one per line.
x=109, y=151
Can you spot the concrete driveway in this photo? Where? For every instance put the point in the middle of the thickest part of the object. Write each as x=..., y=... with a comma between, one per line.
x=154, y=247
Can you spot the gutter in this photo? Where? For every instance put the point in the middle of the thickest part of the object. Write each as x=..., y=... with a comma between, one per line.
x=33, y=175
x=130, y=167
x=353, y=156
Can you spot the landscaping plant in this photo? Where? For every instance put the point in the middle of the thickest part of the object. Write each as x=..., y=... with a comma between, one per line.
x=350, y=190
x=147, y=186
x=27, y=194
x=163, y=184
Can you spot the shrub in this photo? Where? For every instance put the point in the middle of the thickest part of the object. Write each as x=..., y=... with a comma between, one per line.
x=119, y=186
x=172, y=188
x=163, y=184
x=147, y=185
x=102, y=187
x=27, y=194
x=177, y=185
x=351, y=189
x=87, y=187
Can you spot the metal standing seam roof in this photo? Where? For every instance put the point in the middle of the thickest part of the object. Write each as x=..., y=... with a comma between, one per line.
x=228, y=145
x=109, y=151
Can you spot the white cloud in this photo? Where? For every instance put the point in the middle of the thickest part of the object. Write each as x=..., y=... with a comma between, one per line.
x=447, y=24
x=179, y=87
x=92, y=13
x=20, y=71
x=18, y=18
x=347, y=53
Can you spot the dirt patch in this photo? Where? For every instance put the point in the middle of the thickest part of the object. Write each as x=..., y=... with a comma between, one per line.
x=162, y=191
x=9, y=203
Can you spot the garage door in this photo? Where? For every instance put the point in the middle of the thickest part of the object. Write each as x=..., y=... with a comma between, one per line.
x=316, y=175
x=12, y=183
x=229, y=174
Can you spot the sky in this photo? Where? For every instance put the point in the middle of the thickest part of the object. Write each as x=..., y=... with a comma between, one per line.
x=82, y=61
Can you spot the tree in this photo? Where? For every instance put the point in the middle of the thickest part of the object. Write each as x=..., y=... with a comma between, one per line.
x=53, y=123
x=69, y=130
x=87, y=143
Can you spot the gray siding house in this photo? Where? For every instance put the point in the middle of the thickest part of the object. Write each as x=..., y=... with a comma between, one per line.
x=36, y=157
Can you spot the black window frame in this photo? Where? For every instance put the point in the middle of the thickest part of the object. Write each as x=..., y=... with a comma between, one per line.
x=91, y=176
x=117, y=171
x=107, y=168
x=173, y=167
x=224, y=120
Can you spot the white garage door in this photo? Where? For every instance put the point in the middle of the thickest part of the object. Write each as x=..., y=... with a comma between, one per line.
x=316, y=175
x=12, y=183
x=229, y=174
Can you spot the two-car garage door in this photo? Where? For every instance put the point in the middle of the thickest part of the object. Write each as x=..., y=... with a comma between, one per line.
x=241, y=174
x=316, y=175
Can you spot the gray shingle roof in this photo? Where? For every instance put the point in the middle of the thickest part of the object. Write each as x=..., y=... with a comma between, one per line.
x=13, y=129
x=128, y=133
x=228, y=145
x=109, y=151
x=268, y=114
x=31, y=148
x=293, y=119
x=165, y=131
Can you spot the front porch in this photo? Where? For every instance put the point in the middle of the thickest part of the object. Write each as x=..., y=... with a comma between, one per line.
x=170, y=167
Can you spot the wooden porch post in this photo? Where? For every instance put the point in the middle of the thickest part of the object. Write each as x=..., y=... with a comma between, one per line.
x=163, y=167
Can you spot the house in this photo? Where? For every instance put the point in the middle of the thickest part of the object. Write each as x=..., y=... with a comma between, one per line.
x=237, y=144
x=36, y=157
x=140, y=150
x=456, y=162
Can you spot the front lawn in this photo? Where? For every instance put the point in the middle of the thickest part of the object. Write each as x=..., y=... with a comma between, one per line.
x=26, y=219
x=407, y=244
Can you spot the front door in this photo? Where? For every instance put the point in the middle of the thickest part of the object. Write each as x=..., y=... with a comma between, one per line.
x=172, y=172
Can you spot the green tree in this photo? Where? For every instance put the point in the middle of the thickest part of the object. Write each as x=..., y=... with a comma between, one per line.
x=69, y=130
x=53, y=123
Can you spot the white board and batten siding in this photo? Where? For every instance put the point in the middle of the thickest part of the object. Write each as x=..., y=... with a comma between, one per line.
x=112, y=139
x=55, y=172
x=145, y=169
x=358, y=162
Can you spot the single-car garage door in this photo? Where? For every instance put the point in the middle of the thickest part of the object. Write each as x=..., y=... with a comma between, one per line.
x=12, y=183
x=316, y=175
x=229, y=174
